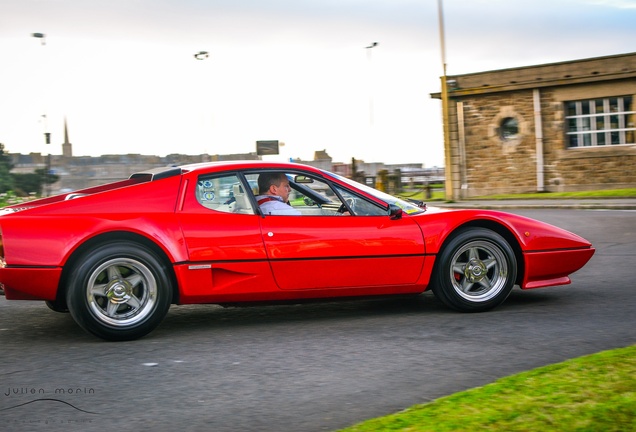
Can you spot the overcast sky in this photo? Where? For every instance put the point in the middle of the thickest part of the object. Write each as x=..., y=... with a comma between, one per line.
x=123, y=72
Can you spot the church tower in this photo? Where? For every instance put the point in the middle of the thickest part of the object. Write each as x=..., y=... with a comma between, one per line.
x=67, y=147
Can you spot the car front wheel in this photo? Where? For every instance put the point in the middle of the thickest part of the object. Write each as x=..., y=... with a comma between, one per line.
x=476, y=271
x=120, y=291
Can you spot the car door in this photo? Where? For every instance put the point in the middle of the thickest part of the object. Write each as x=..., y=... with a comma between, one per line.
x=223, y=237
x=328, y=250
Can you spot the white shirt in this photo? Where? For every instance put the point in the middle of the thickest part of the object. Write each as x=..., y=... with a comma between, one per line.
x=274, y=205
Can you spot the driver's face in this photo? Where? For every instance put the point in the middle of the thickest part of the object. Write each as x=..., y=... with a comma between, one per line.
x=282, y=190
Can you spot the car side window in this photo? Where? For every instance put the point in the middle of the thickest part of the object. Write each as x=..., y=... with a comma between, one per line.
x=311, y=196
x=223, y=193
x=359, y=206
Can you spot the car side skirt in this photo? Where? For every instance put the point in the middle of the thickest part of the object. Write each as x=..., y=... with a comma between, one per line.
x=252, y=281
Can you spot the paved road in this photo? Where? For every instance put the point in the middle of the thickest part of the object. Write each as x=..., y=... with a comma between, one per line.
x=314, y=367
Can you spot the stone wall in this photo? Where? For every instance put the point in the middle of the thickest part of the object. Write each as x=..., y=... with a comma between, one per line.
x=494, y=165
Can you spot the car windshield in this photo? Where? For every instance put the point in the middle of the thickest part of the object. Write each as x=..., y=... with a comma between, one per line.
x=407, y=207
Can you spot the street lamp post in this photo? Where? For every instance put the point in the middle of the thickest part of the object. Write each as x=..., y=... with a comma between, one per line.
x=47, y=134
x=206, y=132
x=448, y=182
x=201, y=55
x=370, y=59
x=41, y=36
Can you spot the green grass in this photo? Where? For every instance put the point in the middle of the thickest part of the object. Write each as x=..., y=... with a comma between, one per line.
x=613, y=193
x=10, y=198
x=439, y=195
x=591, y=393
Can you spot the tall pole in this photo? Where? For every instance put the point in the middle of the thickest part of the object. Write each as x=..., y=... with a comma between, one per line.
x=448, y=181
x=370, y=60
x=207, y=135
x=47, y=134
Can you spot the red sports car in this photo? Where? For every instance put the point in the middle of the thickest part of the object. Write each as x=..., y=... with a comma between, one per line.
x=117, y=256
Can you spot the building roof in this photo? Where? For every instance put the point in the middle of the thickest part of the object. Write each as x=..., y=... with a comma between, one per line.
x=607, y=68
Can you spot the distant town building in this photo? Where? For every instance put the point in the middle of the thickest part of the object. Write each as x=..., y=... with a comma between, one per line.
x=555, y=127
x=78, y=172
x=67, y=147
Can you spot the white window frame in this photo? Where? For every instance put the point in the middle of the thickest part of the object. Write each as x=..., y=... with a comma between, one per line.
x=587, y=130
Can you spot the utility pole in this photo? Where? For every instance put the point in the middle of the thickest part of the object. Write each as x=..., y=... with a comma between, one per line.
x=370, y=59
x=47, y=134
x=448, y=181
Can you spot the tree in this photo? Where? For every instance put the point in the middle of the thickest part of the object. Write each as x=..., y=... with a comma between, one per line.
x=6, y=180
x=22, y=184
x=26, y=183
x=33, y=182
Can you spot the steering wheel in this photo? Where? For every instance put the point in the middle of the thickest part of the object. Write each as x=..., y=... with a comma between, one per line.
x=348, y=207
x=351, y=202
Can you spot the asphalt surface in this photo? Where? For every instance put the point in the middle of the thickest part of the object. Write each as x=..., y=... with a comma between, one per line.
x=314, y=367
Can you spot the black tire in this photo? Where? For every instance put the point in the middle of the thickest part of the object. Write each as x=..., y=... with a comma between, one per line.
x=120, y=291
x=475, y=271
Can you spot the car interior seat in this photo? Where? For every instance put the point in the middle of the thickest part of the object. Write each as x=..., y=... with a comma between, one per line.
x=242, y=204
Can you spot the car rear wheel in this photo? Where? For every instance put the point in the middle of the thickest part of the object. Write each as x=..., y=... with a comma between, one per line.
x=476, y=271
x=120, y=291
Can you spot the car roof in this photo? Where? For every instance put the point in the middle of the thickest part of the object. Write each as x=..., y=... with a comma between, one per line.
x=246, y=164
x=208, y=167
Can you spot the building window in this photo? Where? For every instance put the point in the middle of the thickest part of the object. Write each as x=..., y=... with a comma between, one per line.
x=509, y=128
x=600, y=122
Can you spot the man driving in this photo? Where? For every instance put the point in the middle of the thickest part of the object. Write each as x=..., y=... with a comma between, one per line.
x=273, y=194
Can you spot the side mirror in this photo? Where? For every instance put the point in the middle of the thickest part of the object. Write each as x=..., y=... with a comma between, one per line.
x=395, y=212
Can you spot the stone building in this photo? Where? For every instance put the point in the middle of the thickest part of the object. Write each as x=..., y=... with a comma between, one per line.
x=566, y=126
